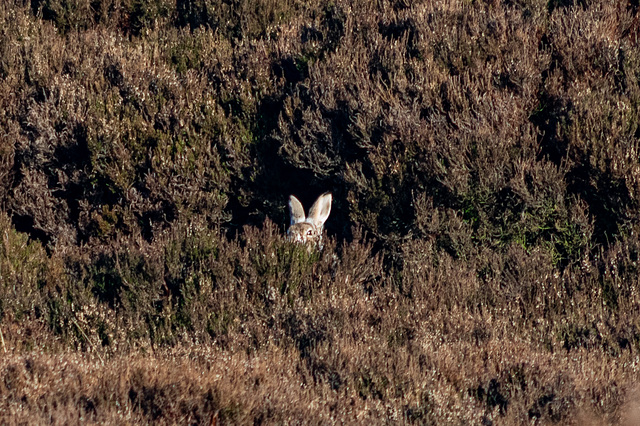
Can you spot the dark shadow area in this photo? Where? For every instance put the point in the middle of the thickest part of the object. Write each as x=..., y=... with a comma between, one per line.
x=551, y=117
x=26, y=224
x=608, y=199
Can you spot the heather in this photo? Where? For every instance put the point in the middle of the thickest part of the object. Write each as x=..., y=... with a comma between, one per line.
x=481, y=258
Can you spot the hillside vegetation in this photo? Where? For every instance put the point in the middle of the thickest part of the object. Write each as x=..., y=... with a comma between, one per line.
x=482, y=257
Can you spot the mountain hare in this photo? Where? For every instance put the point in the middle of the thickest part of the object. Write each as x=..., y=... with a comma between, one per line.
x=308, y=229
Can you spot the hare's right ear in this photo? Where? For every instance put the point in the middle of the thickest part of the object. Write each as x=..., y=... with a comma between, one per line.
x=296, y=212
x=319, y=211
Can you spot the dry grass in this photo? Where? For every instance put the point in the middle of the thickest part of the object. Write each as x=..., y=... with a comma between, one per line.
x=435, y=382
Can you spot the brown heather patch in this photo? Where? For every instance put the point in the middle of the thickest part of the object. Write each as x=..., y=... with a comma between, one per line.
x=481, y=263
x=450, y=383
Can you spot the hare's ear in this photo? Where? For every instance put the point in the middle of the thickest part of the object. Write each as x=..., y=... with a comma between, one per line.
x=320, y=210
x=296, y=212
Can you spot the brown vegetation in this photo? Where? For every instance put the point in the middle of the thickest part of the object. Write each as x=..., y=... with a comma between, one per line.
x=481, y=265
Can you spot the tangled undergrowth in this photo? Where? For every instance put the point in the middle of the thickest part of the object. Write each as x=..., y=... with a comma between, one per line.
x=482, y=257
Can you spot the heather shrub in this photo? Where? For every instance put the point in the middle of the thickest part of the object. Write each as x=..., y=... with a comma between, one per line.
x=132, y=16
x=240, y=20
x=65, y=14
x=24, y=270
x=480, y=263
x=593, y=121
x=108, y=163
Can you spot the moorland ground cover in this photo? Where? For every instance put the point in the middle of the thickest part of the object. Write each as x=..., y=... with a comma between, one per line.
x=481, y=265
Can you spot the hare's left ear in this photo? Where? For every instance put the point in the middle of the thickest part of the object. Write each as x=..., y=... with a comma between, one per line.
x=320, y=210
x=296, y=212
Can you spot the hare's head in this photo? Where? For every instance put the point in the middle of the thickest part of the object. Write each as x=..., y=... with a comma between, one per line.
x=305, y=229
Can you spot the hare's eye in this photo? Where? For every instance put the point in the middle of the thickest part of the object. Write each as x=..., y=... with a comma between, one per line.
x=309, y=232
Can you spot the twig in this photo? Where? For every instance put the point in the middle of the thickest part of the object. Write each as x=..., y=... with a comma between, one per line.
x=2, y=338
x=89, y=341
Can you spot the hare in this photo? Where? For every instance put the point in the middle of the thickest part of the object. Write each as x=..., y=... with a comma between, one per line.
x=304, y=229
